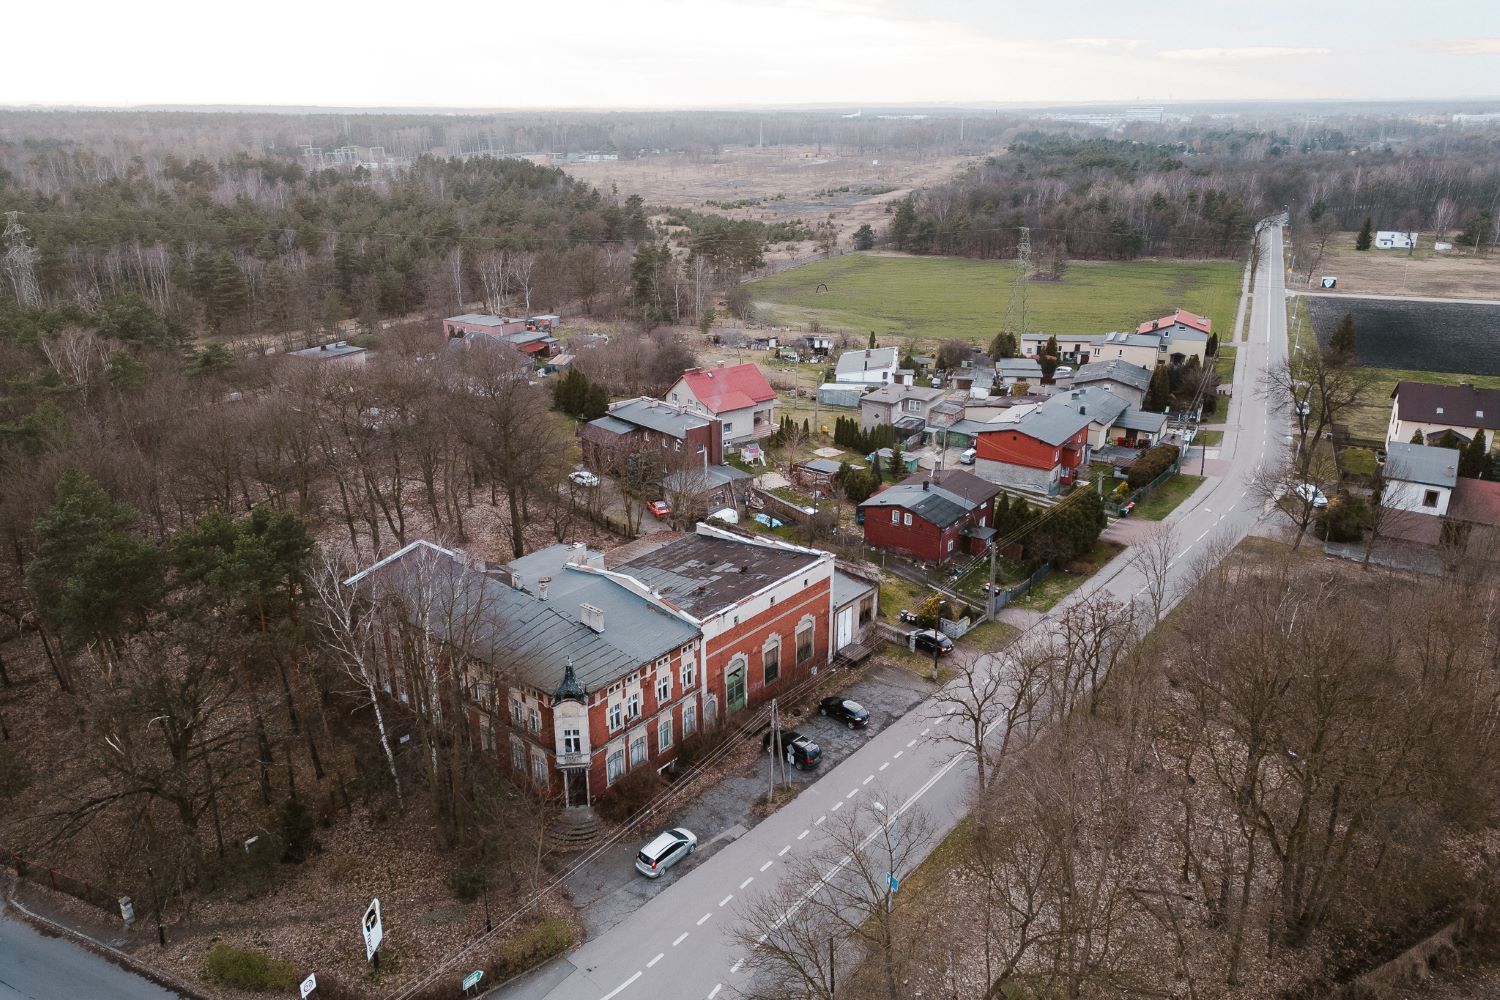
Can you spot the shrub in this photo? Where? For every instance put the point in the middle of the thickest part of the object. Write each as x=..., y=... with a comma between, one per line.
x=467, y=883
x=630, y=793
x=1343, y=520
x=1152, y=463
x=696, y=747
x=296, y=832
x=532, y=947
x=245, y=969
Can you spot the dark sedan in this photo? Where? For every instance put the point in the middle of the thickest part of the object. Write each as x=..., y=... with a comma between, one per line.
x=850, y=713
x=930, y=639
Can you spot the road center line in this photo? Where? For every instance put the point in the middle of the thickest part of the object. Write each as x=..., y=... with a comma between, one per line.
x=926, y=731
x=803, y=834
x=747, y=881
x=715, y=991
x=897, y=754
x=736, y=966
x=868, y=778
x=820, y=819
x=680, y=938
x=621, y=988
x=767, y=865
x=852, y=792
x=658, y=958
x=726, y=899
x=782, y=852
x=704, y=919
x=838, y=805
x=911, y=744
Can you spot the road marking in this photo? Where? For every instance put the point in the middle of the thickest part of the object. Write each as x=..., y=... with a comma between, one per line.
x=715, y=991
x=726, y=899
x=911, y=744
x=621, y=988
x=926, y=731
x=658, y=958
x=736, y=966
x=762, y=939
x=868, y=778
x=852, y=792
x=1202, y=536
x=767, y=865
x=820, y=819
x=747, y=881
x=1183, y=553
x=882, y=767
x=897, y=754
x=803, y=834
x=838, y=805
x=680, y=938
x=704, y=919
x=782, y=852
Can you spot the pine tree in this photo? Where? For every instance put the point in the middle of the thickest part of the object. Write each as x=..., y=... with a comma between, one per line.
x=1473, y=460
x=1160, y=392
x=595, y=402
x=1342, y=341
x=872, y=340
x=1365, y=238
x=1212, y=350
x=1002, y=514
x=1416, y=437
x=875, y=470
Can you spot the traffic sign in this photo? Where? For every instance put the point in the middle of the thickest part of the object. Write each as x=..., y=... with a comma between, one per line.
x=473, y=978
x=309, y=984
x=895, y=882
x=373, y=931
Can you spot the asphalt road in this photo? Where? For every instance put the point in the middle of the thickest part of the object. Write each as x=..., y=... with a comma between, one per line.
x=680, y=945
x=36, y=967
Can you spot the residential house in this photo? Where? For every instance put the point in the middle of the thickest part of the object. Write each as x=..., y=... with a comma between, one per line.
x=635, y=424
x=1112, y=419
x=1179, y=323
x=932, y=516
x=339, y=353
x=893, y=404
x=1009, y=371
x=1433, y=410
x=520, y=334
x=712, y=488
x=1419, y=478
x=1129, y=382
x=1394, y=239
x=737, y=395
x=867, y=366
x=1034, y=448
x=816, y=344
x=1173, y=343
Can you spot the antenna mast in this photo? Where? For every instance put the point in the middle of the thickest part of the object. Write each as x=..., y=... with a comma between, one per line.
x=1015, y=309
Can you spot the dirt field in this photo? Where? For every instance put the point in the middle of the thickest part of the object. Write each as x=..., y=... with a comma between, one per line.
x=1453, y=337
x=1456, y=273
x=787, y=182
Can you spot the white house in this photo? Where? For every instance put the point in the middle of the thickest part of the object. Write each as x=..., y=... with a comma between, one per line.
x=1391, y=239
x=1420, y=478
x=737, y=395
x=1434, y=410
x=868, y=366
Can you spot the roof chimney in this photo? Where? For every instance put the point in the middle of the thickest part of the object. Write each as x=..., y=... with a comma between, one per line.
x=541, y=587
x=1083, y=411
x=591, y=616
x=579, y=556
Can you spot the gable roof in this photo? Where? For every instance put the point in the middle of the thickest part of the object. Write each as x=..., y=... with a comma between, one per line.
x=866, y=359
x=1019, y=367
x=653, y=414
x=896, y=392
x=732, y=387
x=1099, y=406
x=1200, y=323
x=1454, y=405
x=1115, y=369
x=1051, y=425
x=480, y=319
x=1476, y=501
x=1420, y=463
x=947, y=497
x=964, y=484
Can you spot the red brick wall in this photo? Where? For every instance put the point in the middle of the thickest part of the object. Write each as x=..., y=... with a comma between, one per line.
x=1016, y=448
x=921, y=539
x=750, y=636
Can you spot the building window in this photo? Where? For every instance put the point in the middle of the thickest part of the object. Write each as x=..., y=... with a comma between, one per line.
x=614, y=766
x=895, y=517
x=771, y=658
x=689, y=718
x=487, y=735
x=515, y=712
x=633, y=705
x=638, y=748
x=616, y=715
x=539, y=767
x=663, y=688
x=517, y=755
x=664, y=734
x=534, y=721
x=689, y=672
x=804, y=641
x=1430, y=498
x=572, y=741
x=906, y=519
x=950, y=545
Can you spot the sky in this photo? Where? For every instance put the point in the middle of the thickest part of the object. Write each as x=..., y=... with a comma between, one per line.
x=718, y=53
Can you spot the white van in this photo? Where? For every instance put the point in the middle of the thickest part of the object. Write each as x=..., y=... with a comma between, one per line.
x=967, y=456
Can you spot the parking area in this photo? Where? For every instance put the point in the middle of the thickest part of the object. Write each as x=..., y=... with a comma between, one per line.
x=610, y=890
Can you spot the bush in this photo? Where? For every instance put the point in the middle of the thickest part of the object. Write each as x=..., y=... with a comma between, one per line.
x=532, y=947
x=297, y=838
x=245, y=969
x=467, y=883
x=1152, y=463
x=1343, y=520
x=696, y=747
x=630, y=793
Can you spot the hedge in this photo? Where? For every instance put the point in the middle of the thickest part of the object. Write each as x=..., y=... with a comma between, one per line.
x=1152, y=463
x=250, y=970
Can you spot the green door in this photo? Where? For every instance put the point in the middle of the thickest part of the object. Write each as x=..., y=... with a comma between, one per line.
x=735, y=682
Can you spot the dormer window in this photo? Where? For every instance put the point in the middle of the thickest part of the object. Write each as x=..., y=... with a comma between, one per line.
x=1440, y=411
x=1478, y=414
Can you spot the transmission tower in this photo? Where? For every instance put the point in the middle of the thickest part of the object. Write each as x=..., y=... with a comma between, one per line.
x=1015, y=309
x=20, y=258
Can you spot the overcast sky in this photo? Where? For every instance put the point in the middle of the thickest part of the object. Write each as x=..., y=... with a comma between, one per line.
x=687, y=53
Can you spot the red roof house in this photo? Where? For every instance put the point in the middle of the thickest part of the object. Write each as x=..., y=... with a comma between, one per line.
x=738, y=395
x=1179, y=318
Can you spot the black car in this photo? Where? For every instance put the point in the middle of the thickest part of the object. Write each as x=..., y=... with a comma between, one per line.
x=850, y=713
x=801, y=752
x=929, y=639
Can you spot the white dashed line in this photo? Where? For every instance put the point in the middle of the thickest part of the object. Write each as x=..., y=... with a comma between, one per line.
x=767, y=865
x=820, y=819
x=1202, y=536
x=658, y=958
x=803, y=834
x=726, y=899
x=852, y=792
x=839, y=805
x=704, y=919
x=897, y=754
x=911, y=744
x=747, y=881
x=926, y=731
x=715, y=991
x=680, y=938
x=882, y=768
x=736, y=966
x=868, y=778
x=782, y=853
x=621, y=988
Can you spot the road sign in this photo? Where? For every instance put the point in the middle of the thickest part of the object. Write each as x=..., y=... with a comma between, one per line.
x=373, y=931
x=895, y=882
x=309, y=984
x=127, y=909
x=473, y=978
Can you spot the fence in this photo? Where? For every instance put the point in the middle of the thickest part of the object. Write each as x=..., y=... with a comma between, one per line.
x=105, y=899
x=1118, y=507
x=782, y=510
x=1004, y=597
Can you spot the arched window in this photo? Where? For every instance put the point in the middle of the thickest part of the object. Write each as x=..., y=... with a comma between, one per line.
x=805, y=632
x=771, y=658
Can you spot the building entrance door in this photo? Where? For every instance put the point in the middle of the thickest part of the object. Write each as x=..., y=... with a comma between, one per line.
x=735, y=685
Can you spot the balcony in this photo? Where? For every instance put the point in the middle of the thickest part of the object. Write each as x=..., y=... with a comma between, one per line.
x=579, y=759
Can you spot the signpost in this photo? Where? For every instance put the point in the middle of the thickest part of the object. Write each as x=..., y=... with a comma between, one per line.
x=472, y=979
x=309, y=984
x=373, y=931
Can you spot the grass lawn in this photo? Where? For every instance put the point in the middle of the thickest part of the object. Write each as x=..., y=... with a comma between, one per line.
x=939, y=298
x=1224, y=364
x=1209, y=438
x=1057, y=584
x=1167, y=497
x=897, y=592
x=1359, y=461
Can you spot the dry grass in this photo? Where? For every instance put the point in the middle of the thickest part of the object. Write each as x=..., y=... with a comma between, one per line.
x=1456, y=273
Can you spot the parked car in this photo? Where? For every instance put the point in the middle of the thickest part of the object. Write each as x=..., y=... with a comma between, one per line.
x=928, y=639
x=1062, y=370
x=850, y=713
x=583, y=477
x=1308, y=493
x=967, y=456
x=801, y=752
x=660, y=508
x=664, y=851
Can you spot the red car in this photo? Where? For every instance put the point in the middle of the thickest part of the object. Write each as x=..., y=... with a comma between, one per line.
x=660, y=508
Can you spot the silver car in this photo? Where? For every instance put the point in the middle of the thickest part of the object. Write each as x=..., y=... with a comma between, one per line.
x=664, y=851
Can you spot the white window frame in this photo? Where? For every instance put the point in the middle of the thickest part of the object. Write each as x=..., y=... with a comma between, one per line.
x=616, y=716
x=614, y=766
x=632, y=706
x=663, y=687
x=515, y=711
x=638, y=739
x=812, y=644
x=772, y=645
x=572, y=740
x=664, y=733
x=540, y=772
x=906, y=520
x=689, y=672
x=534, y=721
x=895, y=517
x=517, y=754
x=689, y=718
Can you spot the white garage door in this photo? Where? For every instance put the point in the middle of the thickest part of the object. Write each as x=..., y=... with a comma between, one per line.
x=845, y=628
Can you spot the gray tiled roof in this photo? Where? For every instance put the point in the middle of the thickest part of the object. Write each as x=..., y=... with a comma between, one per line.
x=1141, y=420
x=1099, y=406
x=848, y=588
x=704, y=575
x=1050, y=424
x=612, y=424
x=657, y=416
x=935, y=505
x=895, y=393
x=1116, y=370
x=1019, y=368
x=1420, y=463
x=866, y=360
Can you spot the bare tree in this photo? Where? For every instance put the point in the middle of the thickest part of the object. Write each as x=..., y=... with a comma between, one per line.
x=989, y=692
x=1298, y=489
x=1154, y=555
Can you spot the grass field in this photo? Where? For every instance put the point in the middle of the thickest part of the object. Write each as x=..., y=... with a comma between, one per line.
x=1167, y=497
x=936, y=298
